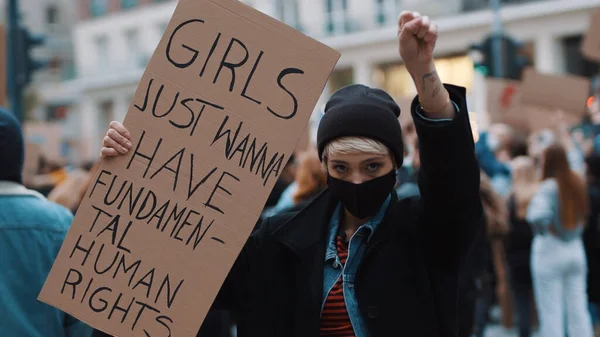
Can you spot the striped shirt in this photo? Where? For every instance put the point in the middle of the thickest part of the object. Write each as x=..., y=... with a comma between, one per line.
x=335, y=320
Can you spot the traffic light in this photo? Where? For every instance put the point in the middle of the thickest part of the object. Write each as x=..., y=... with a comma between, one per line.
x=513, y=58
x=27, y=64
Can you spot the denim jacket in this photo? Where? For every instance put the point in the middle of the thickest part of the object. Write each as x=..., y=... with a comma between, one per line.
x=32, y=230
x=334, y=269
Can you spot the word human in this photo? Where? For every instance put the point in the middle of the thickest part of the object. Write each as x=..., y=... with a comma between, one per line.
x=150, y=295
x=228, y=62
x=142, y=204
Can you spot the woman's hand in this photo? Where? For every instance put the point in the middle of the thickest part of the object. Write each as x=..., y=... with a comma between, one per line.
x=417, y=36
x=416, y=39
x=117, y=141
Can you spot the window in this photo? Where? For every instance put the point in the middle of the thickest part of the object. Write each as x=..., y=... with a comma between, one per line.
x=386, y=11
x=102, y=52
x=106, y=114
x=337, y=16
x=576, y=64
x=132, y=41
x=51, y=14
x=341, y=78
x=98, y=7
x=125, y=4
x=287, y=11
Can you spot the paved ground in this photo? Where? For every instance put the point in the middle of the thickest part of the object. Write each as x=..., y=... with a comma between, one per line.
x=499, y=331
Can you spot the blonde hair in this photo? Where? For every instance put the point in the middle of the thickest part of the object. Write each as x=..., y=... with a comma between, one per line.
x=524, y=183
x=353, y=145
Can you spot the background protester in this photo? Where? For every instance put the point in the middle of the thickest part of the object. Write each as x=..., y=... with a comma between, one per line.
x=493, y=152
x=286, y=178
x=591, y=238
x=32, y=230
x=71, y=191
x=558, y=212
x=408, y=174
x=311, y=179
x=492, y=279
x=519, y=239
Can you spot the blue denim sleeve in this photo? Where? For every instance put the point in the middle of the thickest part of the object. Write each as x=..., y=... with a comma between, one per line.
x=421, y=115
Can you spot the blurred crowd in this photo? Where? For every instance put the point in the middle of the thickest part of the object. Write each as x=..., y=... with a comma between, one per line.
x=540, y=282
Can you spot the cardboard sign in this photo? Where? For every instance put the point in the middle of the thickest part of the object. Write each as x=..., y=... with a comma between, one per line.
x=502, y=96
x=3, y=88
x=48, y=136
x=590, y=46
x=221, y=106
x=567, y=93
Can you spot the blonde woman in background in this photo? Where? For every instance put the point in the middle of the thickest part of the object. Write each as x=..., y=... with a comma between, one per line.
x=518, y=244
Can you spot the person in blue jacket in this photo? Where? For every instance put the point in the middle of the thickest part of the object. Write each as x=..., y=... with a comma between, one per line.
x=32, y=230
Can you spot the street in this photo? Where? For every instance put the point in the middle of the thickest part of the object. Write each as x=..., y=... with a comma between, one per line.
x=499, y=331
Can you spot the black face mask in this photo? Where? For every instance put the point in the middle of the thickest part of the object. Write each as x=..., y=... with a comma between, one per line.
x=363, y=200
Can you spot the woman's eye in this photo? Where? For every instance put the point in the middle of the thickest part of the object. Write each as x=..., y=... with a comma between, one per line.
x=340, y=168
x=372, y=167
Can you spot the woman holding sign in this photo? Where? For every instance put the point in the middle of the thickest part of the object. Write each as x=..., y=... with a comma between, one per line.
x=356, y=261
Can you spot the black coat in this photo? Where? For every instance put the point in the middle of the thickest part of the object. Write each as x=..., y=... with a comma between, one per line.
x=518, y=246
x=408, y=279
x=407, y=283
x=591, y=241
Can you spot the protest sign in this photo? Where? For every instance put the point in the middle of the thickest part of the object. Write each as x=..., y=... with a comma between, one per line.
x=219, y=109
x=565, y=92
x=590, y=46
x=502, y=96
x=3, y=66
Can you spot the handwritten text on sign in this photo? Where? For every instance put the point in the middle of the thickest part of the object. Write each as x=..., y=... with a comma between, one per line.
x=222, y=104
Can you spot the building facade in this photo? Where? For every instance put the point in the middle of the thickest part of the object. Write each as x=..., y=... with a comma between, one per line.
x=114, y=40
x=49, y=91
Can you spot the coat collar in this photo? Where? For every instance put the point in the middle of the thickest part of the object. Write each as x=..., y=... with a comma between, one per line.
x=309, y=228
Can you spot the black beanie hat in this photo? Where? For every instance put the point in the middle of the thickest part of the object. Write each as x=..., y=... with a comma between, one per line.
x=12, y=148
x=359, y=111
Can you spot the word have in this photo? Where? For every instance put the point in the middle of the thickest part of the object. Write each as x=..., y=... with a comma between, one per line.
x=142, y=203
x=227, y=63
x=173, y=166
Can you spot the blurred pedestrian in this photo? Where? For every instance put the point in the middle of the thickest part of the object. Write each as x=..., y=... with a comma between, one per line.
x=591, y=237
x=519, y=240
x=356, y=261
x=492, y=279
x=32, y=230
x=408, y=186
x=493, y=152
x=71, y=191
x=285, y=179
x=558, y=212
x=311, y=178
